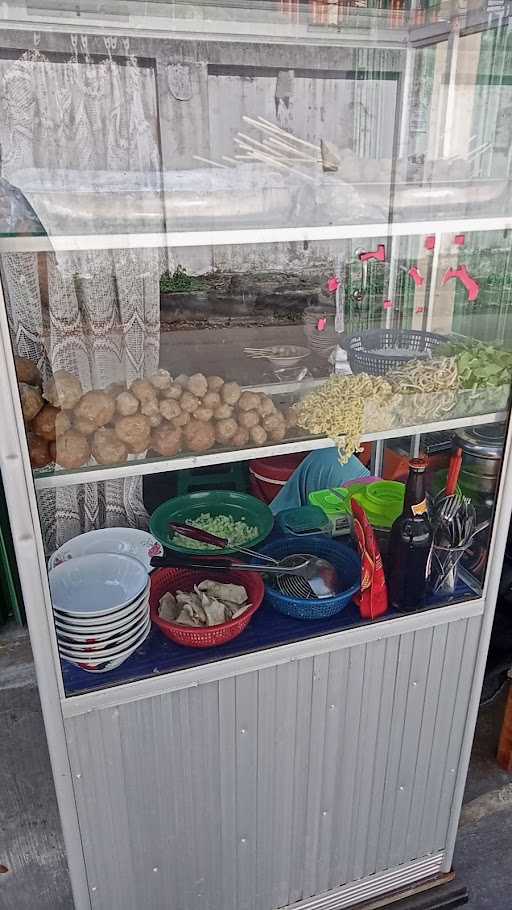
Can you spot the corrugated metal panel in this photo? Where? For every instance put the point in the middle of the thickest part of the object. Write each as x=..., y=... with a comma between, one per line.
x=269, y=788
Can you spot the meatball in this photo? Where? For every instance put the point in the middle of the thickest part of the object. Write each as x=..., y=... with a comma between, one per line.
x=38, y=450
x=31, y=401
x=62, y=423
x=170, y=409
x=166, y=440
x=198, y=436
x=212, y=400
x=63, y=391
x=26, y=371
x=249, y=419
x=278, y=433
x=127, y=404
x=134, y=431
x=215, y=383
x=189, y=402
x=266, y=406
x=72, y=450
x=150, y=407
x=241, y=437
x=84, y=425
x=161, y=380
x=231, y=392
x=203, y=414
x=96, y=406
x=198, y=385
x=107, y=448
x=181, y=380
x=274, y=422
x=44, y=423
x=143, y=390
x=249, y=401
x=258, y=435
x=182, y=419
x=173, y=391
x=224, y=412
x=225, y=430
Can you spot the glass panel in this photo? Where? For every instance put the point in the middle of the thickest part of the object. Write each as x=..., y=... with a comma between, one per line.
x=295, y=247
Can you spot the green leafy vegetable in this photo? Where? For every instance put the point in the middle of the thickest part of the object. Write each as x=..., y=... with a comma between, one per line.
x=480, y=365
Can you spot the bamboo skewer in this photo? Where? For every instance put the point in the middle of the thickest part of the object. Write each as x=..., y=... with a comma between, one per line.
x=270, y=159
x=209, y=161
x=266, y=126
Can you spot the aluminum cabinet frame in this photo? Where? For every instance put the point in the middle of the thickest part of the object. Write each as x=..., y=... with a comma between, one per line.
x=316, y=774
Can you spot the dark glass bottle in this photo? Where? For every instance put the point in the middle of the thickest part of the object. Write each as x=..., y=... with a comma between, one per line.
x=409, y=546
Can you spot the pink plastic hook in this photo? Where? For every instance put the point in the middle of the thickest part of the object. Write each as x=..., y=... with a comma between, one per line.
x=332, y=284
x=472, y=286
x=379, y=254
x=416, y=276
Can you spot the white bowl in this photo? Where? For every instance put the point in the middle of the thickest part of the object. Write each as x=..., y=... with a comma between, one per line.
x=96, y=585
x=114, y=620
x=103, y=666
x=127, y=541
x=105, y=639
x=103, y=631
x=96, y=653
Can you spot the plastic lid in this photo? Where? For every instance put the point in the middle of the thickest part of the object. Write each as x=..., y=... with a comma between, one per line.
x=303, y=520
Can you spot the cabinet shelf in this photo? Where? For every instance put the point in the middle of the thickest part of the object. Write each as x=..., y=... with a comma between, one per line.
x=237, y=236
x=97, y=473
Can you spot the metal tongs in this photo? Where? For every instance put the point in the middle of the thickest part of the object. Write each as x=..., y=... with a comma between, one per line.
x=319, y=573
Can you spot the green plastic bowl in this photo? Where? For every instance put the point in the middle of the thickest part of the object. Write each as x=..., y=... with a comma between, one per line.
x=239, y=506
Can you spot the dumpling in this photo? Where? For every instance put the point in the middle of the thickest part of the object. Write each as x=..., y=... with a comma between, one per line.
x=168, y=608
x=236, y=594
x=186, y=617
x=191, y=601
x=215, y=611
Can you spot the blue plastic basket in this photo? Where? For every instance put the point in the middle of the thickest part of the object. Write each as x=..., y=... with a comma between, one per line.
x=343, y=558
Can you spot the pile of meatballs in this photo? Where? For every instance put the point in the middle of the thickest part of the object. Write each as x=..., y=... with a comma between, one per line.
x=67, y=426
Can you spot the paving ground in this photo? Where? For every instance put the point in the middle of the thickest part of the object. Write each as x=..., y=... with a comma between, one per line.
x=30, y=838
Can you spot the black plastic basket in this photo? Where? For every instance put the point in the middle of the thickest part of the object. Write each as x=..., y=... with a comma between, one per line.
x=367, y=350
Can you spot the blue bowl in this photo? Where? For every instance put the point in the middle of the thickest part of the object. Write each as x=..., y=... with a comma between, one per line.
x=343, y=558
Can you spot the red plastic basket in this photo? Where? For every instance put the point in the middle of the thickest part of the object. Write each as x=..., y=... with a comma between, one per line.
x=172, y=580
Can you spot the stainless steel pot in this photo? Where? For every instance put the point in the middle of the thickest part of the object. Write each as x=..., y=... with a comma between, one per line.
x=482, y=450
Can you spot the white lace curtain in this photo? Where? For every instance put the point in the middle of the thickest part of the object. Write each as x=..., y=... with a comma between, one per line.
x=68, y=124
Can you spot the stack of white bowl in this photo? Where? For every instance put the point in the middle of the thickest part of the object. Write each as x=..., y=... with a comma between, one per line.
x=101, y=609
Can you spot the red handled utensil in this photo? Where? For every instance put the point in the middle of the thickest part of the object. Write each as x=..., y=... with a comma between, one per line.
x=453, y=473
x=205, y=537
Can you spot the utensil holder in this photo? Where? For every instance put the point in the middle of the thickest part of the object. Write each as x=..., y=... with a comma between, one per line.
x=443, y=568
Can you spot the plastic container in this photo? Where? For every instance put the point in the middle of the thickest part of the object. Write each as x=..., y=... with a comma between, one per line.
x=164, y=580
x=344, y=559
x=269, y=475
x=367, y=350
x=303, y=522
x=240, y=506
x=382, y=501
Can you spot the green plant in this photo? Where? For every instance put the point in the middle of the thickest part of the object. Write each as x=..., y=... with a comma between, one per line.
x=178, y=281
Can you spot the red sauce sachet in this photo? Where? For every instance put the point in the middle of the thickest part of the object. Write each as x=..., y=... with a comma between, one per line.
x=373, y=599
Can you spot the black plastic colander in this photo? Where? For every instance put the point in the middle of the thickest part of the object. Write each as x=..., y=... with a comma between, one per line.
x=376, y=351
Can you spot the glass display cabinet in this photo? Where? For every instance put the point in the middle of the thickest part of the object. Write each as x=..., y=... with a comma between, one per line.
x=249, y=248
